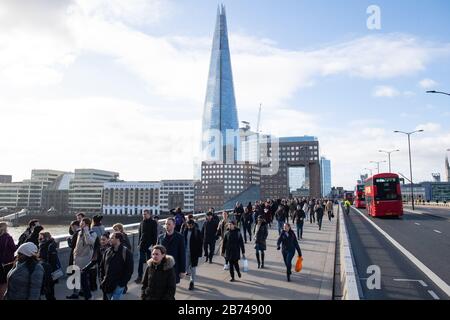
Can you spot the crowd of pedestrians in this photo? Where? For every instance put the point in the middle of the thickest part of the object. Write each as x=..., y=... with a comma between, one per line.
x=166, y=254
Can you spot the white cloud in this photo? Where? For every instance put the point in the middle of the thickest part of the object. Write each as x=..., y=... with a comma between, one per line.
x=428, y=83
x=133, y=12
x=150, y=142
x=429, y=127
x=385, y=92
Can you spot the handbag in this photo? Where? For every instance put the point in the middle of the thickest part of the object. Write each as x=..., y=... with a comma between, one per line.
x=58, y=273
x=245, y=263
x=299, y=264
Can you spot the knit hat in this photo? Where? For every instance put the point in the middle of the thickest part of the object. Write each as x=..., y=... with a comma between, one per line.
x=28, y=249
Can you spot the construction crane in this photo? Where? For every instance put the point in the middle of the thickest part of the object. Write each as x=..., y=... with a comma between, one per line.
x=259, y=119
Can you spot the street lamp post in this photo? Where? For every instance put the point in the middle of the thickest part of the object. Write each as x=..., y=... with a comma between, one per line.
x=439, y=92
x=389, y=156
x=378, y=164
x=410, y=162
x=369, y=170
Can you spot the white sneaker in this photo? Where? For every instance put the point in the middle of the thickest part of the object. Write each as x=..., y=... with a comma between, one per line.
x=226, y=266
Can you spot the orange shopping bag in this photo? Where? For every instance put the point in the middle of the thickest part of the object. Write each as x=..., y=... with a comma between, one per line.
x=299, y=264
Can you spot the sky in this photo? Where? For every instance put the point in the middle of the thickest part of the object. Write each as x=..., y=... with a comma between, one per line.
x=120, y=84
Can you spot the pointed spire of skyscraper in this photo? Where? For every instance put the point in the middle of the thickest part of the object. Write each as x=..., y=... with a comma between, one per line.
x=220, y=113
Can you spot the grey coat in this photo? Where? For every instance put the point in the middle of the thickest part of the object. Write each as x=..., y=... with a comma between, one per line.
x=84, y=250
x=22, y=286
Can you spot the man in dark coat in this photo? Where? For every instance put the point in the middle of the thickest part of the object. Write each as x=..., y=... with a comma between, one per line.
x=209, y=232
x=159, y=280
x=193, y=243
x=116, y=268
x=232, y=246
x=148, y=235
x=174, y=243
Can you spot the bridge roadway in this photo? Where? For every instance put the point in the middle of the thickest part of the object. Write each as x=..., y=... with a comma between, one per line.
x=314, y=282
x=423, y=233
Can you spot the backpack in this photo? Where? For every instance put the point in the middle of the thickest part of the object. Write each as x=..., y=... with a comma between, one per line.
x=179, y=220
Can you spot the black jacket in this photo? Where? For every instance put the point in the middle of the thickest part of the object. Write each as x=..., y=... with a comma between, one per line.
x=72, y=242
x=289, y=242
x=195, y=244
x=48, y=253
x=209, y=231
x=175, y=248
x=299, y=215
x=159, y=281
x=280, y=214
x=114, y=270
x=232, y=245
x=34, y=236
x=261, y=234
x=248, y=218
x=148, y=234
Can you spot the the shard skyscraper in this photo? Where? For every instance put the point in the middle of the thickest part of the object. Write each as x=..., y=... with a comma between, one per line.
x=220, y=141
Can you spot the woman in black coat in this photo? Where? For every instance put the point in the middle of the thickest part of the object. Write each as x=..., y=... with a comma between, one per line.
x=232, y=246
x=261, y=234
x=289, y=243
x=193, y=241
x=49, y=255
x=159, y=281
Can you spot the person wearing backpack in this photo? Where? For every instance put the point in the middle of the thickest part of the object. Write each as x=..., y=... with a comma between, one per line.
x=179, y=219
x=24, y=280
x=116, y=268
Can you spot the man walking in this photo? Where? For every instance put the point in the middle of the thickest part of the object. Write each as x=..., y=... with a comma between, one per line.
x=173, y=241
x=116, y=268
x=209, y=231
x=148, y=233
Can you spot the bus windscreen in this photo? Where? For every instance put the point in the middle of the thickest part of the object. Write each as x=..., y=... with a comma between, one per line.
x=386, y=189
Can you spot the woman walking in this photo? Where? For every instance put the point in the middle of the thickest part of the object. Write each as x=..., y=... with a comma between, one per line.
x=233, y=244
x=261, y=234
x=289, y=245
x=159, y=281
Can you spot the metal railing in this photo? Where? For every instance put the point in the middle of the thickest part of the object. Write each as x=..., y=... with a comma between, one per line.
x=132, y=231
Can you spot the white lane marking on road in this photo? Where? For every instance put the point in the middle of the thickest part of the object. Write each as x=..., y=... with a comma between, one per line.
x=437, y=231
x=434, y=295
x=430, y=274
x=412, y=280
x=415, y=212
x=417, y=224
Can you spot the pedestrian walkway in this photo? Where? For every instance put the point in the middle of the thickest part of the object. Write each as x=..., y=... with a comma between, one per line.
x=314, y=282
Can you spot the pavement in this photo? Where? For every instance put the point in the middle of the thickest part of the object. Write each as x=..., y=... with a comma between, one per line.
x=400, y=277
x=314, y=282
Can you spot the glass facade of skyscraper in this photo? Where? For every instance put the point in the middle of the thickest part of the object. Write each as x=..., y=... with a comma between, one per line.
x=325, y=174
x=220, y=139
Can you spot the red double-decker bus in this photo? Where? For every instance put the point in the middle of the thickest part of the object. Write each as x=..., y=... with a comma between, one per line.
x=383, y=195
x=360, y=198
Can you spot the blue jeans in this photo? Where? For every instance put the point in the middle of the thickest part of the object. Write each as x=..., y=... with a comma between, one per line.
x=144, y=255
x=300, y=229
x=117, y=294
x=288, y=256
x=280, y=226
